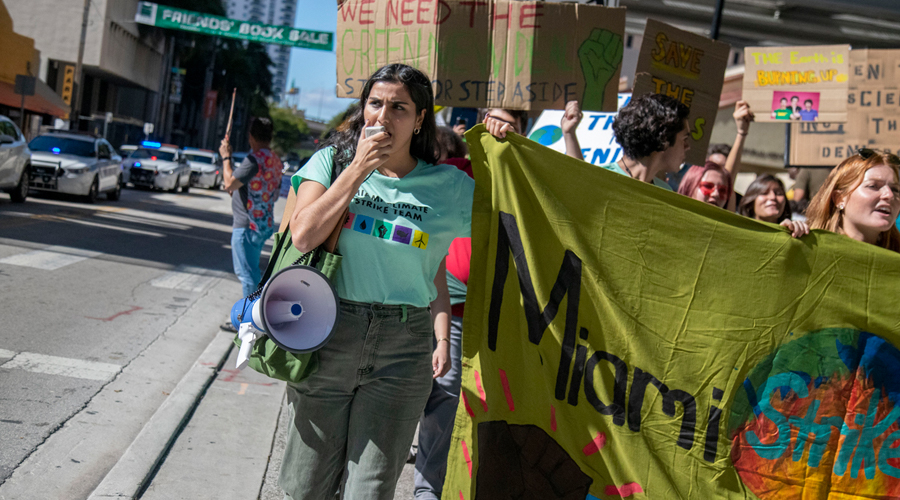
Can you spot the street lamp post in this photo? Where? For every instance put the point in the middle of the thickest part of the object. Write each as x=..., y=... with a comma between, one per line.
x=76, y=110
x=717, y=20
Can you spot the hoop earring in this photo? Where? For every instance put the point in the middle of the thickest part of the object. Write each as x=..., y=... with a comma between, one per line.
x=417, y=130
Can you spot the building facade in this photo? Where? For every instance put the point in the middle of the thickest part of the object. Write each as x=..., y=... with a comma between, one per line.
x=122, y=66
x=21, y=59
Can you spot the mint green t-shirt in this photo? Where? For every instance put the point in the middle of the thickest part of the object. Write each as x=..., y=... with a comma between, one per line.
x=398, y=230
x=614, y=167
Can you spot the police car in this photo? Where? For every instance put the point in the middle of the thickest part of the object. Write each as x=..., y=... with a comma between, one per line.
x=74, y=163
x=159, y=166
x=206, y=170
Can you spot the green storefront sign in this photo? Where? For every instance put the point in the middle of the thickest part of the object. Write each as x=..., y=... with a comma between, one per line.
x=162, y=16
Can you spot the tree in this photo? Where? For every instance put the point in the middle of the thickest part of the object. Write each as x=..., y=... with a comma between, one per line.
x=290, y=129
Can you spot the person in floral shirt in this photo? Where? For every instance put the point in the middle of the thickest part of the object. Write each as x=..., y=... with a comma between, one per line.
x=254, y=186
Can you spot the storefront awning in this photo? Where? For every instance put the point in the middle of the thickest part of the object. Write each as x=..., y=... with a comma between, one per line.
x=44, y=101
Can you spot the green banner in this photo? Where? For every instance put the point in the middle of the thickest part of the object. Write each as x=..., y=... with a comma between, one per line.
x=623, y=341
x=162, y=16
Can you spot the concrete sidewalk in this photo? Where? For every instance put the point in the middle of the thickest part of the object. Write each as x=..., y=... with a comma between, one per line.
x=233, y=444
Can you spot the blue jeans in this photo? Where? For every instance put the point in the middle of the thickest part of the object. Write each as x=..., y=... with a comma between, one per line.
x=246, y=247
x=354, y=419
x=436, y=425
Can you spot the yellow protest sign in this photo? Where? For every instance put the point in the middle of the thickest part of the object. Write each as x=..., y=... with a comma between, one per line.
x=785, y=84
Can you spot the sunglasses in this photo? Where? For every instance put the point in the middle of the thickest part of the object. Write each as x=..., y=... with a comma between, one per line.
x=707, y=188
x=866, y=153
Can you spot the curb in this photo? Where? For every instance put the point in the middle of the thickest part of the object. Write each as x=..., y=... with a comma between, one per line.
x=133, y=471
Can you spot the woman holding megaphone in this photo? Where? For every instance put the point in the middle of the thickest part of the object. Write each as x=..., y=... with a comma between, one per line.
x=358, y=412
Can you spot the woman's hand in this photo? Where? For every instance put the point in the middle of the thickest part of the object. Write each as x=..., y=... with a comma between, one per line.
x=798, y=228
x=440, y=360
x=371, y=152
x=571, y=117
x=497, y=128
x=742, y=117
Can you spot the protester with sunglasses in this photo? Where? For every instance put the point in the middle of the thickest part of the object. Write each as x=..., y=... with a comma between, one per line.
x=765, y=200
x=861, y=199
x=709, y=183
x=354, y=418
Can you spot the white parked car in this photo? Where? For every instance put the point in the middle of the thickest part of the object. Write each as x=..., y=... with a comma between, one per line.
x=15, y=161
x=159, y=166
x=206, y=168
x=75, y=163
x=125, y=150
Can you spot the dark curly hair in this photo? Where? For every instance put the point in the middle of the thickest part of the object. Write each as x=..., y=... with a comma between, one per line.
x=649, y=124
x=418, y=85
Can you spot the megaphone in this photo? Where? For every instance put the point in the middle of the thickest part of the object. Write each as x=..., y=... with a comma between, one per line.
x=297, y=308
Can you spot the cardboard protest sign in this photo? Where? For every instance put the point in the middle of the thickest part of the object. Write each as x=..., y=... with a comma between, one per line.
x=623, y=341
x=487, y=53
x=785, y=84
x=688, y=67
x=595, y=134
x=873, y=106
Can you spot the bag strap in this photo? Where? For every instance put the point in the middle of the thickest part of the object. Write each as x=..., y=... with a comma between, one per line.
x=330, y=244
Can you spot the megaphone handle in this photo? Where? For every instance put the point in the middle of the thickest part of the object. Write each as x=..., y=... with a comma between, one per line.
x=247, y=340
x=244, y=355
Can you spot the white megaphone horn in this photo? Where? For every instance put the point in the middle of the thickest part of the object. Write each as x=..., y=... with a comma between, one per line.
x=297, y=308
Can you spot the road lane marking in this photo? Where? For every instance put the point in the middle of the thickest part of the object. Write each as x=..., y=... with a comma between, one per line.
x=50, y=258
x=66, y=367
x=179, y=280
x=109, y=226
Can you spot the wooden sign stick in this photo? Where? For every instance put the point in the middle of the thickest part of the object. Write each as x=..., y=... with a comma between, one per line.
x=230, y=116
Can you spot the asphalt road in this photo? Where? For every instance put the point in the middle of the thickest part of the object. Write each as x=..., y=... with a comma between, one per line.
x=87, y=291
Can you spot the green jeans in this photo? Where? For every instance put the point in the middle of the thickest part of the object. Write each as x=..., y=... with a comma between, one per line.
x=358, y=412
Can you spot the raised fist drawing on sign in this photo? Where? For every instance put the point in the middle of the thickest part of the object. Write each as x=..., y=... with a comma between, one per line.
x=600, y=55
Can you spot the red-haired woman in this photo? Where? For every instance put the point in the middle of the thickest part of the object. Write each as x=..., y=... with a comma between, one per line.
x=861, y=199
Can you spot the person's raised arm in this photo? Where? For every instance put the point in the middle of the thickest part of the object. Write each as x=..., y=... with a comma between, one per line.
x=230, y=183
x=318, y=209
x=742, y=118
x=569, y=123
